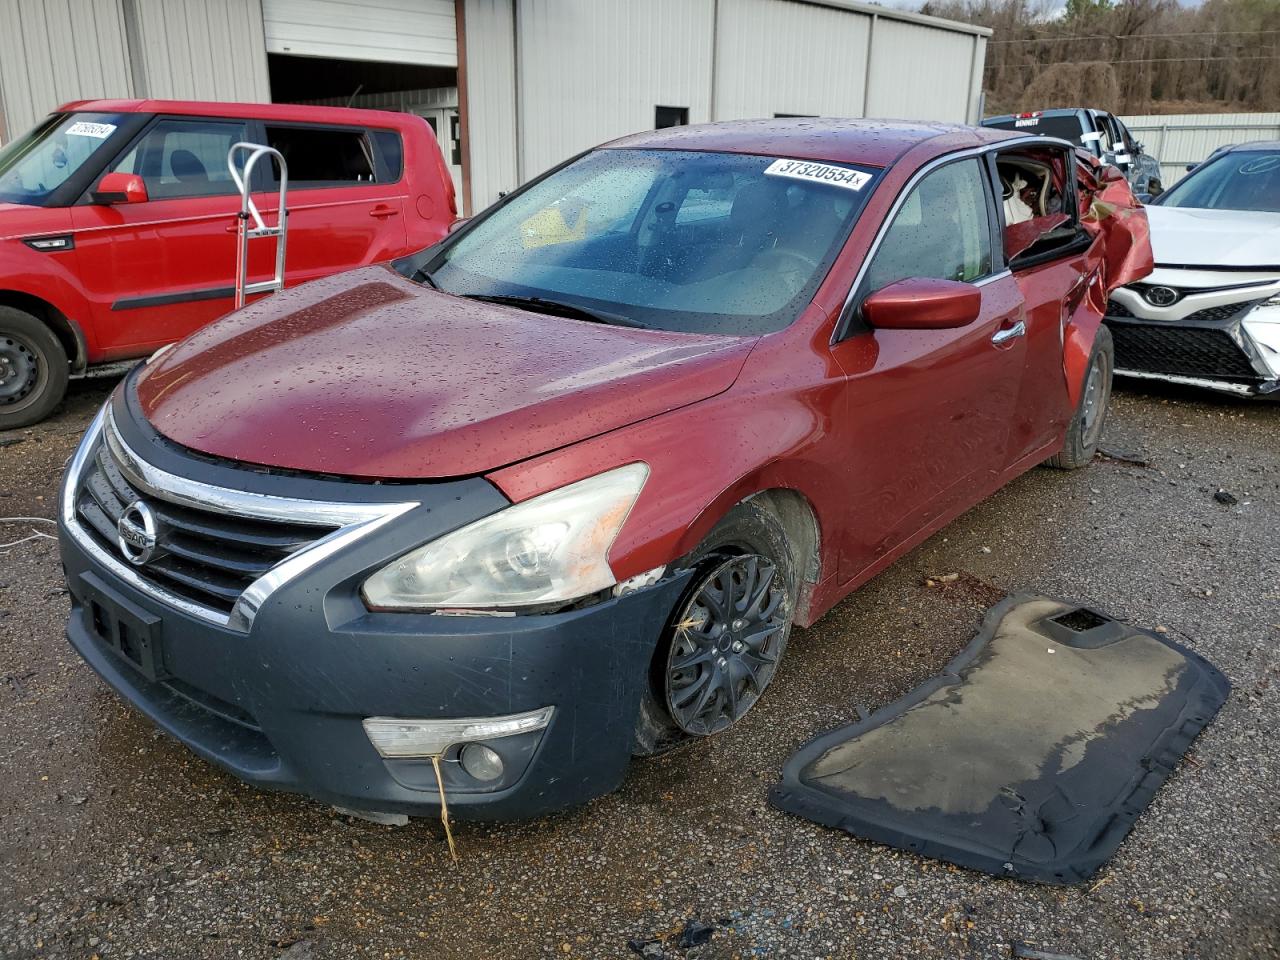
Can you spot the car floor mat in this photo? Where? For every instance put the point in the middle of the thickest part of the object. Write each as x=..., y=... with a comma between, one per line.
x=1030, y=756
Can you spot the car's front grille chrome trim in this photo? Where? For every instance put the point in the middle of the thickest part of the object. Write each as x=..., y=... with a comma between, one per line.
x=352, y=521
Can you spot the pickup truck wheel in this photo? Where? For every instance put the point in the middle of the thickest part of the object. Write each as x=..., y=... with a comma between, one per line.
x=33, y=369
x=727, y=634
x=1090, y=417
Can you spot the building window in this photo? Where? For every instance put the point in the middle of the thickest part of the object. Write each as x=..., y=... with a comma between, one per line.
x=670, y=117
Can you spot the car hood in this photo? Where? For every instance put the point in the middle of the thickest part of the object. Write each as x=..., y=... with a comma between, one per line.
x=366, y=374
x=1187, y=236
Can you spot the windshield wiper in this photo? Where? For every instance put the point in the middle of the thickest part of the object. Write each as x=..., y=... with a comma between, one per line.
x=422, y=275
x=556, y=308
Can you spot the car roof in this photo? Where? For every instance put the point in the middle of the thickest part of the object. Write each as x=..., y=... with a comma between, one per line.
x=876, y=143
x=252, y=111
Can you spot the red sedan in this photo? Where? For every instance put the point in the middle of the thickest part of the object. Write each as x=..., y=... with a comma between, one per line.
x=555, y=490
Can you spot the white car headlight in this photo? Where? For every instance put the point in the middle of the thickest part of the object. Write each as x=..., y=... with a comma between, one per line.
x=551, y=549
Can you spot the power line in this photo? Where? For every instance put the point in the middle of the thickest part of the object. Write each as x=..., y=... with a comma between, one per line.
x=1041, y=66
x=1140, y=36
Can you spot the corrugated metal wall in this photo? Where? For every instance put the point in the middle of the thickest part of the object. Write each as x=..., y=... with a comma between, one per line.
x=492, y=132
x=1178, y=139
x=586, y=71
x=197, y=49
x=781, y=57
x=396, y=31
x=52, y=51
x=922, y=73
x=590, y=71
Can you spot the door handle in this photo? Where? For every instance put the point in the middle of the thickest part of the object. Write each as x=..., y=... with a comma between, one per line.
x=1008, y=333
x=381, y=212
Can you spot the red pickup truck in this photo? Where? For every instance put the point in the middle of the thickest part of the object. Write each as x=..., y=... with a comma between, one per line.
x=94, y=272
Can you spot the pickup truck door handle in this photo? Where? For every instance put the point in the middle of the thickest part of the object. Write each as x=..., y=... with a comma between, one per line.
x=382, y=211
x=1008, y=333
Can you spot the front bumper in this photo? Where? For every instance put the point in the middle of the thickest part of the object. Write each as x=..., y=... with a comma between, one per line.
x=280, y=704
x=1221, y=337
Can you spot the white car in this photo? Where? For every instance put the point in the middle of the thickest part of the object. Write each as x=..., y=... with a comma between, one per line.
x=1209, y=314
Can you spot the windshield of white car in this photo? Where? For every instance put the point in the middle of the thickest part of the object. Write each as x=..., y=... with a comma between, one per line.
x=673, y=240
x=35, y=165
x=1239, y=180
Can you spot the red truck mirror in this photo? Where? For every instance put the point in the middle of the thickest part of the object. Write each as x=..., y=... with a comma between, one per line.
x=120, y=188
x=921, y=303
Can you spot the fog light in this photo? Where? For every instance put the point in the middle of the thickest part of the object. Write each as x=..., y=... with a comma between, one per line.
x=394, y=737
x=481, y=762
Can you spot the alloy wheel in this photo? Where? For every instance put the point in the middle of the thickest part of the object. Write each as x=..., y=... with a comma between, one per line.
x=728, y=639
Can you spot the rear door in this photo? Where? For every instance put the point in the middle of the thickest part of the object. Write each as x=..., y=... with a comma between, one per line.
x=928, y=414
x=346, y=201
x=1048, y=256
x=155, y=271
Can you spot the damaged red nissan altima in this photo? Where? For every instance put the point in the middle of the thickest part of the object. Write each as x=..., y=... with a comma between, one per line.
x=553, y=492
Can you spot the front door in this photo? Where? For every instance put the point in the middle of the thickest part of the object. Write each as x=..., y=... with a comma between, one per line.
x=158, y=270
x=928, y=411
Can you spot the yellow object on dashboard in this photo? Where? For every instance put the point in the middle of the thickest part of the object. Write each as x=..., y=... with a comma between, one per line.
x=551, y=226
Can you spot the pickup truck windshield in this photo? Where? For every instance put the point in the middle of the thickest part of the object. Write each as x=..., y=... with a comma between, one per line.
x=674, y=240
x=1239, y=180
x=35, y=165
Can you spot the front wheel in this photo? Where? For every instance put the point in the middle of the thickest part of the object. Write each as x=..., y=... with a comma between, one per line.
x=33, y=369
x=1085, y=429
x=726, y=635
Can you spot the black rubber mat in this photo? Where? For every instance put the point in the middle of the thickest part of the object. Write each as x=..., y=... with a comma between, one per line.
x=1030, y=756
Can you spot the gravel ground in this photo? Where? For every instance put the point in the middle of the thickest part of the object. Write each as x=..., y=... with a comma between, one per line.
x=116, y=842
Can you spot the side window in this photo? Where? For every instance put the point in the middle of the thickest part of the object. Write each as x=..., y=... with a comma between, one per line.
x=1037, y=204
x=392, y=150
x=941, y=231
x=324, y=156
x=184, y=158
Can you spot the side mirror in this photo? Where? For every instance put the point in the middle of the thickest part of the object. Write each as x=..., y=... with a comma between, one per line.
x=120, y=188
x=458, y=223
x=920, y=303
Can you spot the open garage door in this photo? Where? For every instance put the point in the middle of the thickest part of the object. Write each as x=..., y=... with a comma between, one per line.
x=419, y=32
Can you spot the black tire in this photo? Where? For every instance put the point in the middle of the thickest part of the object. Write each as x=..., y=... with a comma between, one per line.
x=33, y=369
x=748, y=531
x=1085, y=429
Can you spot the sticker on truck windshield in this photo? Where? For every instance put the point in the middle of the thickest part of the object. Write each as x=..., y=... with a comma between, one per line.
x=83, y=128
x=1031, y=122
x=819, y=173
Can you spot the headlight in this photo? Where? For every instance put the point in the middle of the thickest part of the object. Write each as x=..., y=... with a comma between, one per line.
x=551, y=549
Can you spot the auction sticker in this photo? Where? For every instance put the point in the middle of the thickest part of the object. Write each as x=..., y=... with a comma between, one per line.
x=83, y=128
x=819, y=173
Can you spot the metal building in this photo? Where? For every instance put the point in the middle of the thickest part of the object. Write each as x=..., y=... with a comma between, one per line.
x=511, y=87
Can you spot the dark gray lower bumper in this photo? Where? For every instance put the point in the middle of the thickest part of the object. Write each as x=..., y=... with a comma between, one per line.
x=282, y=706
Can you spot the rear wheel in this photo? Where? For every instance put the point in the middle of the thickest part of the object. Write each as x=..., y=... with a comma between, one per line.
x=1085, y=429
x=33, y=369
x=727, y=634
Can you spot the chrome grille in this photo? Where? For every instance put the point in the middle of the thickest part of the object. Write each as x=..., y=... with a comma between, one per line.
x=205, y=556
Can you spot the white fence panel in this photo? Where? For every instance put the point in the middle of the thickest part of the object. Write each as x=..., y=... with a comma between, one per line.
x=1178, y=139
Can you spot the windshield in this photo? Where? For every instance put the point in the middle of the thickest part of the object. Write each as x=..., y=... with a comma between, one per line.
x=1239, y=180
x=1063, y=127
x=696, y=242
x=35, y=165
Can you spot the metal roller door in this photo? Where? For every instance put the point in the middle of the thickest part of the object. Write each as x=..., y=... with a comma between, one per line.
x=391, y=31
